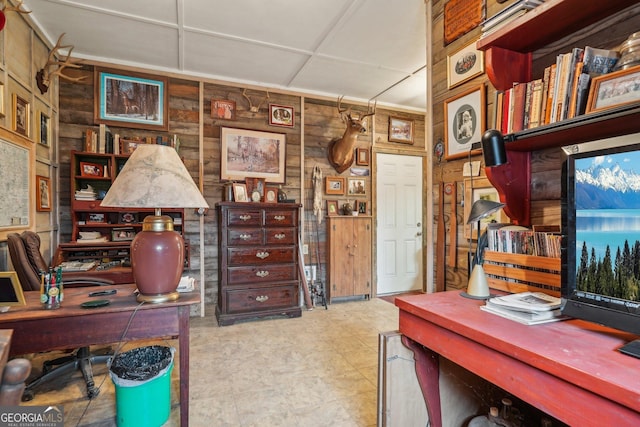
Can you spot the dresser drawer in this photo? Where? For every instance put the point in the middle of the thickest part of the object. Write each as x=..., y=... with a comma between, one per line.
x=261, y=255
x=245, y=236
x=241, y=217
x=284, y=218
x=280, y=236
x=258, y=299
x=261, y=273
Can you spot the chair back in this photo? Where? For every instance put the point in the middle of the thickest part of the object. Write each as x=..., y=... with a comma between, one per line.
x=24, y=250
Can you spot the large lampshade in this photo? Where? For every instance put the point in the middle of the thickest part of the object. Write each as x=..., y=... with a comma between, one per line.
x=155, y=177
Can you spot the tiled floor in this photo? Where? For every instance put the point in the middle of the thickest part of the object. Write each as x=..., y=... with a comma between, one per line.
x=317, y=370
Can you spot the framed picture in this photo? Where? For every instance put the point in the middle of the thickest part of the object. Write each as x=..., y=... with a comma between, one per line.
x=253, y=154
x=464, y=65
x=240, y=192
x=223, y=109
x=2, y=113
x=10, y=290
x=465, y=121
x=91, y=169
x=332, y=207
x=614, y=89
x=280, y=115
x=122, y=234
x=400, y=130
x=271, y=195
x=476, y=189
x=356, y=187
x=20, y=115
x=131, y=100
x=362, y=156
x=43, y=196
x=362, y=208
x=334, y=185
x=255, y=189
x=128, y=217
x=96, y=217
x=44, y=136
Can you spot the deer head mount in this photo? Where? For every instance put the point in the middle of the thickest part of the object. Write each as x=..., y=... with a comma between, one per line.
x=254, y=108
x=46, y=74
x=5, y=9
x=340, y=150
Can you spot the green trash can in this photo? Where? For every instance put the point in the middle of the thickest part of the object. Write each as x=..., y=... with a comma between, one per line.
x=142, y=379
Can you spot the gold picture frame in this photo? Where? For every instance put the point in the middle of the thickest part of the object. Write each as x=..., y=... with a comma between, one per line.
x=464, y=65
x=334, y=185
x=11, y=294
x=614, y=89
x=401, y=130
x=43, y=196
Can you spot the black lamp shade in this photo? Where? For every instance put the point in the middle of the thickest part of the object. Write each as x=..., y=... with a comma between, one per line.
x=493, y=148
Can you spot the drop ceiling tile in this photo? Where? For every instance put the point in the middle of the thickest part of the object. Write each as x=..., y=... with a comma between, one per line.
x=409, y=93
x=240, y=61
x=158, y=10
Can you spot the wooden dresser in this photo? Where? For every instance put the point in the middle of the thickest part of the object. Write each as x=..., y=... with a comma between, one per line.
x=258, y=261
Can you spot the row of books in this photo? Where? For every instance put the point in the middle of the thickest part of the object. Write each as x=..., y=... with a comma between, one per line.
x=104, y=141
x=562, y=93
x=529, y=308
x=523, y=241
x=508, y=14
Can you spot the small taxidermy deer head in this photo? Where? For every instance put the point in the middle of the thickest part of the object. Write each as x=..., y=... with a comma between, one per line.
x=254, y=108
x=5, y=9
x=44, y=76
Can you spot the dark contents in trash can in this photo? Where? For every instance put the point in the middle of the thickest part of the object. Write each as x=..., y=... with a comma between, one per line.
x=141, y=364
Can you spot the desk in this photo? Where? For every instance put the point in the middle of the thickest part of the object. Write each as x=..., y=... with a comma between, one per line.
x=571, y=369
x=36, y=330
x=118, y=275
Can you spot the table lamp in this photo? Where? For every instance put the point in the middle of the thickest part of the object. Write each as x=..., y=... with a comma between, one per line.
x=478, y=288
x=155, y=177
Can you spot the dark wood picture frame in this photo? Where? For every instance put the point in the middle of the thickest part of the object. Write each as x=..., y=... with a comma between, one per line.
x=271, y=195
x=44, y=134
x=131, y=100
x=21, y=115
x=332, y=208
x=238, y=148
x=43, y=194
x=281, y=115
x=88, y=169
x=224, y=109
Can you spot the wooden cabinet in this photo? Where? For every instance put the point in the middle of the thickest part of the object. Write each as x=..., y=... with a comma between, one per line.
x=258, y=261
x=349, y=256
x=509, y=58
x=117, y=226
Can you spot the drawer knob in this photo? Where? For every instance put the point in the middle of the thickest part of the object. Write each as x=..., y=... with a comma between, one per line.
x=262, y=298
x=245, y=217
x=262, y=254
x=262, y=273
x=280, y=236
x=244, y=236
x=279, y=217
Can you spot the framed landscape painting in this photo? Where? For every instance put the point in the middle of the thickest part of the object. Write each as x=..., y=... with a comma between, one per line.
x=252, y=154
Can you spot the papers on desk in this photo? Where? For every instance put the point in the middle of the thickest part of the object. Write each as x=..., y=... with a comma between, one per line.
x=69, y=266
x=530, y=308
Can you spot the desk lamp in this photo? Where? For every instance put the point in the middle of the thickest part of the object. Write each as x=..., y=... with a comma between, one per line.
x=478, y=288
x=493, y=148
x=155, y=177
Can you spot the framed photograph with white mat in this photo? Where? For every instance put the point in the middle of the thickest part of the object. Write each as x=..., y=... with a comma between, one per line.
x=465, y=121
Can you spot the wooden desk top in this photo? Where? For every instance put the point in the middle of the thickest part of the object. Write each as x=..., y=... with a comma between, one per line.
x=123, y=300
x=575, y=351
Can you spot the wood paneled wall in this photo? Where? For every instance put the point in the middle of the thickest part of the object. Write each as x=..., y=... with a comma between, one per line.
x=545, y=164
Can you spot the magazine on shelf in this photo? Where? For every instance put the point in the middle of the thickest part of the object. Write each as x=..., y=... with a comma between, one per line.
x=69, y=266
x=524, y=317
x=527, y=302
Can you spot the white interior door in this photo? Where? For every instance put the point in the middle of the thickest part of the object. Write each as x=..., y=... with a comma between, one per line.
x=399, y=223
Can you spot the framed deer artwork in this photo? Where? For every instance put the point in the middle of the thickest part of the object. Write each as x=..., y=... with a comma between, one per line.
x=132, y=100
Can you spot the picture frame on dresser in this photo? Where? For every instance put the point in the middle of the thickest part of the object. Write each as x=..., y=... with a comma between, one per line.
x=465, y=121
x=240, y=192
x=237, y=157
x=131, y=99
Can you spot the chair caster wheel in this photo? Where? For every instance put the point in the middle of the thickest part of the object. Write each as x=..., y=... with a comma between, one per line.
x=93, y=392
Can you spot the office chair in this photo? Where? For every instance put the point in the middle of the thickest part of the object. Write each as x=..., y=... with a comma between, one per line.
x=24, y=250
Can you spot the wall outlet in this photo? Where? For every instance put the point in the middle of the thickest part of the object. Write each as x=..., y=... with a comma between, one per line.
x=305, y=249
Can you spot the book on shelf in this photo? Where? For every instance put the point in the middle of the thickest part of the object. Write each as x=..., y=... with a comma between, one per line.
x=535, y=109
x=508, y=14
x=521, y=240
x=550, y=92
x=599, y=61
x=518, y=107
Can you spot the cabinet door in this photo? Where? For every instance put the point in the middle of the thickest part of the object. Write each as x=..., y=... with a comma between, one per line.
x=362, y=256
x=341, y=257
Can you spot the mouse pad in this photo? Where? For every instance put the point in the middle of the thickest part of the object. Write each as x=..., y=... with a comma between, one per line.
x=95, y=303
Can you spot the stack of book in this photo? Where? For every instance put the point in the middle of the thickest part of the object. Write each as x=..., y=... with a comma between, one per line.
x=529, y=308
x=86, y=194
x=508, y=14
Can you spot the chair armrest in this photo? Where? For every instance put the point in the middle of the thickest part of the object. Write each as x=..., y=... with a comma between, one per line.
x=16, y=372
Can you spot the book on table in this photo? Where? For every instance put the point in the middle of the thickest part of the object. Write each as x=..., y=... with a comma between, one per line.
x=526, y=307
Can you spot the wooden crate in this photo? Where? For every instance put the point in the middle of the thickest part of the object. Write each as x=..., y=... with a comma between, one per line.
x=520, y=273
